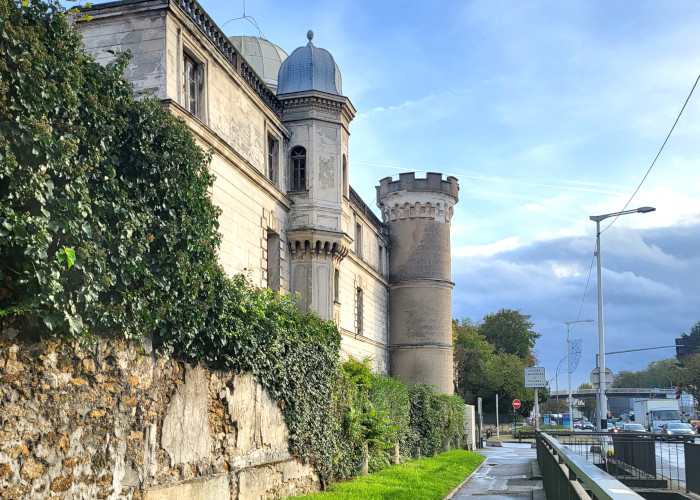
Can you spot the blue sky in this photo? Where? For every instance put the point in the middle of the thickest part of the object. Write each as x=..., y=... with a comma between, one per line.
x=548, y=112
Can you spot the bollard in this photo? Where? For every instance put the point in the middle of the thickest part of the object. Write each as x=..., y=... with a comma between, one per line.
x=364, y=468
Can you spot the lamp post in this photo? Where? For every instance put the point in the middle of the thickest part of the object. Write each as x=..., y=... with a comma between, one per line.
x=603, y=414
x=568, y=362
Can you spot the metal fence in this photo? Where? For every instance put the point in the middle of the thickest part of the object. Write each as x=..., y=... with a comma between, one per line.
x=567, y=475
x=638, y=460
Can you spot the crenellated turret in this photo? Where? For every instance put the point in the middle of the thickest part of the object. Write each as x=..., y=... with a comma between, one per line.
x=418, y=213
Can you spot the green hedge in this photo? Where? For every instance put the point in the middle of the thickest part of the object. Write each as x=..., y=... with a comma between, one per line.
x=384, y=411
x=106, y=227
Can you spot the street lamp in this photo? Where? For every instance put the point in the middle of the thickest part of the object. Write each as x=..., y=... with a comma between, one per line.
x=603, y=414
x=568, y=362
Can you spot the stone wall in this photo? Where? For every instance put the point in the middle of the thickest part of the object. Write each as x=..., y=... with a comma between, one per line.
x=117, y=422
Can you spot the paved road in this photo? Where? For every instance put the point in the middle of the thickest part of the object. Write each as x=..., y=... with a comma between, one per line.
x=507, y=474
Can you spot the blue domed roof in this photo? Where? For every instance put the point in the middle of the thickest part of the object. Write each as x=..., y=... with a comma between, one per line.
x=309, y=68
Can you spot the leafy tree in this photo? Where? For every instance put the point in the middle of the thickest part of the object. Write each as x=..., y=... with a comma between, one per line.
x=690, y=375
x=691, y=341
x=472, y=353
x=661, y=373
x=510, y=331
x=482, y=371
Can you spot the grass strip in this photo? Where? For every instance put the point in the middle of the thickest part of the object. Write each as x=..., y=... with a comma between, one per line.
x=424, y=479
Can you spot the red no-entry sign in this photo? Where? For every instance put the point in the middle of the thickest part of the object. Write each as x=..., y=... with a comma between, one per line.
x=516, y=403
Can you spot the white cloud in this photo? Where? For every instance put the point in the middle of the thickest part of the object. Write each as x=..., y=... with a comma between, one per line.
x=489, y=249
x=565, y=270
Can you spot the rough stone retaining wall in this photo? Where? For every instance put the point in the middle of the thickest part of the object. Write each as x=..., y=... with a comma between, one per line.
x=118, y=423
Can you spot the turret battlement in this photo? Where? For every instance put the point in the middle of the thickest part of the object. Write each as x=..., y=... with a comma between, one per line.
x=433, y=182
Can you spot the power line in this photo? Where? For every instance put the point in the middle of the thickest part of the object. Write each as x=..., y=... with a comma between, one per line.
x=657, y=155
x=585, y=290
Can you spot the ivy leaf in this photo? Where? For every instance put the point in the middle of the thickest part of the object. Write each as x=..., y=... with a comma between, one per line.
x=66, y=255
x=75, y=323
x=52, y=321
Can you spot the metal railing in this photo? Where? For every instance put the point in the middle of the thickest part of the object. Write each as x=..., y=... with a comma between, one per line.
x=639, y=460
x=568, y=475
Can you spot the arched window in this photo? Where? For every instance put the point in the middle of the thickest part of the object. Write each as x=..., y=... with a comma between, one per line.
x=298, y=168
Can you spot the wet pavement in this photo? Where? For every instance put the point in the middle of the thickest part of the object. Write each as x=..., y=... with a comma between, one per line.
x=509, y=472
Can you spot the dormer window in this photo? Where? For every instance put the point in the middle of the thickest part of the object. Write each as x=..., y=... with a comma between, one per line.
x=298, y=168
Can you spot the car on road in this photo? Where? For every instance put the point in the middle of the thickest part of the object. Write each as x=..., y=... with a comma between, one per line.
x=617, y=428
x=636, y=428
x=588, y=426
x=676, y=432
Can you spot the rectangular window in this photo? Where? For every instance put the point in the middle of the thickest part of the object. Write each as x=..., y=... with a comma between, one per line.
x=380, y=268
x=358, y=240
x=192, y=85
x=273, y=261
x=298, y=168
x=360, y=306
x=336, y=286
x=272, y=154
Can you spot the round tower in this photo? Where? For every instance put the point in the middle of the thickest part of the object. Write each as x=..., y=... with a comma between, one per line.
x=418, y=213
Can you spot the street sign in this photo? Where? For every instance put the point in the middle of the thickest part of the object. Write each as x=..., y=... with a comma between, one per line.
x=535, y=377
x=595, y=377
x=516, y=403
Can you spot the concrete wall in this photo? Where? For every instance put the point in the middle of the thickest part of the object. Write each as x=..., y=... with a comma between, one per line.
x=143, y=33
x=115, y=422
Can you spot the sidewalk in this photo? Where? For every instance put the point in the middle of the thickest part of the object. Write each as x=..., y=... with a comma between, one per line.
x=509, y=472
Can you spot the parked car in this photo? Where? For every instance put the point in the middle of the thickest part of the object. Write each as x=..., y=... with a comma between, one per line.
x=518, y=425
x=676, y=432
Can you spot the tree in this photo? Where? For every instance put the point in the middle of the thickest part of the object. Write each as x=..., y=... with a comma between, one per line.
x=483, y=371
x=660, y=373
x=472, y=352
x=690, y=375
x=691, y=341
x=510, y=331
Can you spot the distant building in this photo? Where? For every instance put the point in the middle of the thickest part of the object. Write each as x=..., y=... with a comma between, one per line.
x=278, y=126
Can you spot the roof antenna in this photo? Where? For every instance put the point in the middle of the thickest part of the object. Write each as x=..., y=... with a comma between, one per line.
x=250, y=19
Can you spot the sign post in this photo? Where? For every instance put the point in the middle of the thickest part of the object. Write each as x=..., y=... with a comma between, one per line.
x=516, y=405
x=536, y=377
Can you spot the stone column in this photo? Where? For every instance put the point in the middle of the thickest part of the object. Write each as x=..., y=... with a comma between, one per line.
x=418, y=213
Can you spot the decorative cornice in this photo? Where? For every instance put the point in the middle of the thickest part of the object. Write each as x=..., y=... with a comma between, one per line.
x=361, y=206
x=439, y=211
x=313, y=99
x=317, y=245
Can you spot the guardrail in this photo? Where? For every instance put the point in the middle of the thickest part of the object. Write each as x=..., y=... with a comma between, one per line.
x=567, y=475
x=649, y=463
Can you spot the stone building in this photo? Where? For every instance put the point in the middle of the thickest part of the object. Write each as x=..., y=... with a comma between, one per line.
x=278, y=126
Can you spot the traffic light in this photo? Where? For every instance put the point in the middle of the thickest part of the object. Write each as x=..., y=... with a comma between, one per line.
x=680, y=349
